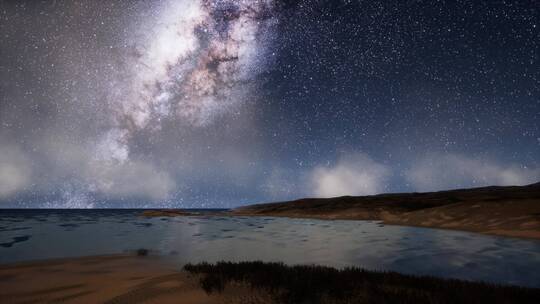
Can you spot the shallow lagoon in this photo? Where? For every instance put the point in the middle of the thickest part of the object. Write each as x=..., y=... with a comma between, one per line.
x=42, y=234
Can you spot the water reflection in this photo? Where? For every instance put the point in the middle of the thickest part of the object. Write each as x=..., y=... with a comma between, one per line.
x=31, y=234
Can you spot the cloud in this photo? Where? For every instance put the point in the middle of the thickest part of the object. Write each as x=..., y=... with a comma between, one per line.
x=130, y=179
x=355, y=174
x=450, y=171
x=15, y=170
x=106, y=172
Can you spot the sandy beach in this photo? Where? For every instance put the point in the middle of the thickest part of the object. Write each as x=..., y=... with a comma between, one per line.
x=101, y=279
x=151, y=279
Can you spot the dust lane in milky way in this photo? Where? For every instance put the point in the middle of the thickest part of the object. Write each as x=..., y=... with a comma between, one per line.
x=198, y=65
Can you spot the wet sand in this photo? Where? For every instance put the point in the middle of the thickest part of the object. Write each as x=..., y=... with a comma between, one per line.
x=104, y=279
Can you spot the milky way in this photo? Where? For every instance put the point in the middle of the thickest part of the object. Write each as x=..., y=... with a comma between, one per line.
x=219, y=103
x=197, y=65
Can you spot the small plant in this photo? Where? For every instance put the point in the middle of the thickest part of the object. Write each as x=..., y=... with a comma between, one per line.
x=212, y=283
x=326, y=285
x=142, y=252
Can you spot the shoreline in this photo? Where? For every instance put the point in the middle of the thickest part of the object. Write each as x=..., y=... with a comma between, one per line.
x=512, y=211
x=520, y=234
x=129, y=278
x=528, y=235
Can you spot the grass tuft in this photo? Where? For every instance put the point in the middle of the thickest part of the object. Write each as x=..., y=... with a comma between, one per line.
x=326, y=285
x=142, y=252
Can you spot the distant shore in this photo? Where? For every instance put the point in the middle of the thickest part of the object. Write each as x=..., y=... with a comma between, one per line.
x=505, y=211
x=137, y=278
x=512, y=211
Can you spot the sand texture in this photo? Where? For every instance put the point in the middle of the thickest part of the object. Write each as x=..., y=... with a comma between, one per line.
x=105, y=279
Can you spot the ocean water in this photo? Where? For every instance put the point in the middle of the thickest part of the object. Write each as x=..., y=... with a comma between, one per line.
x=42, y=234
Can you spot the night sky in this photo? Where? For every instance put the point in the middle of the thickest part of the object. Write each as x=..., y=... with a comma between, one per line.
x=220, y=103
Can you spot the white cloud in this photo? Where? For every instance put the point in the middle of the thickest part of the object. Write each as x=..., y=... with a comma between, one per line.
x=355, y=174
x=450, y=171
x=105, y=172
x=15, y=170
x=130, y=179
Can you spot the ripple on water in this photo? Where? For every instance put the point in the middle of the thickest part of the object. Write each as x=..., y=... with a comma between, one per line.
x=14, y=240
x=338, y=243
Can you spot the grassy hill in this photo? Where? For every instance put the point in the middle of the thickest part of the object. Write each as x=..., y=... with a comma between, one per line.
x=509, y=211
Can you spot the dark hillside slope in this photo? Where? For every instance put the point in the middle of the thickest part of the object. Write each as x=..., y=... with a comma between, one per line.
x=510, y=211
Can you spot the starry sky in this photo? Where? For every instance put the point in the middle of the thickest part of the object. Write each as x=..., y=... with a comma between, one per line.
x=221, y=103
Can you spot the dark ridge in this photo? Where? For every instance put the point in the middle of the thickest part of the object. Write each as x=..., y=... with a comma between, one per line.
x=508, y=211
x=326, y=285
x=405, y=201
